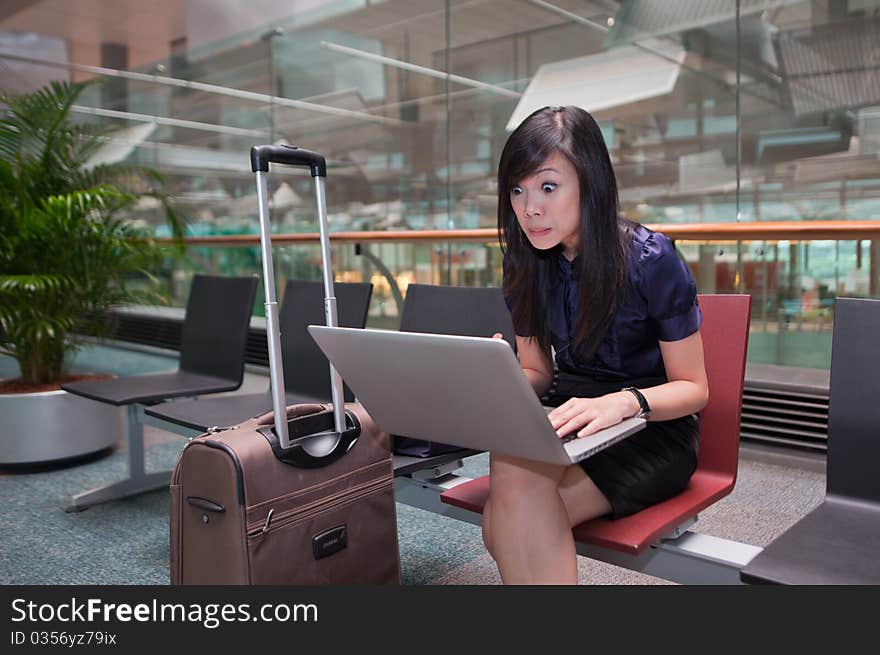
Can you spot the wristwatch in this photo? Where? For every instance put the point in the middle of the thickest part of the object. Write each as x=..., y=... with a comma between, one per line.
x=644, y=407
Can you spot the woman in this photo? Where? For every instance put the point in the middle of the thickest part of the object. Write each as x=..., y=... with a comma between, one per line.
x=614, y=305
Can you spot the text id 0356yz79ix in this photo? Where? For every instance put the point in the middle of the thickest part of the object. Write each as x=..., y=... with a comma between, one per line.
x=61, y=638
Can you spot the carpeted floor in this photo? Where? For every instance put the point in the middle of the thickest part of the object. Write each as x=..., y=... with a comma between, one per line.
x=126, y=541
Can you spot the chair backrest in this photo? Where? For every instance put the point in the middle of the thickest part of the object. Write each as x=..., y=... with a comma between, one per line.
x=215, y=328
x=725, y=333
x=853, y=434
x=462, y=311
x=306, y=370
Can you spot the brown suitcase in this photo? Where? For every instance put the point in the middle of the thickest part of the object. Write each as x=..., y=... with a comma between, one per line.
x=239, y=515
x=306, y=498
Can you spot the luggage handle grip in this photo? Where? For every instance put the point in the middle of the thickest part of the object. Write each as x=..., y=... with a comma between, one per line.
x=309, y=428
x=205, y=504
x=262, y=156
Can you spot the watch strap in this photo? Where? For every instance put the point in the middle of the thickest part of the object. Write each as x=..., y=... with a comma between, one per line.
x=644, y=407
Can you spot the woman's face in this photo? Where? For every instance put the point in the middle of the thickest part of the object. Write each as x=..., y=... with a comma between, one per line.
x=547, y=205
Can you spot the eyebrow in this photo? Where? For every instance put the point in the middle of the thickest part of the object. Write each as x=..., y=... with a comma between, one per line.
x=547, y=169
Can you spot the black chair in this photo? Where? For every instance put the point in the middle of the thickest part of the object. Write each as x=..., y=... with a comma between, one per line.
x=462, y=311
x=212, y=351
x=306, y=371
x=839, y=541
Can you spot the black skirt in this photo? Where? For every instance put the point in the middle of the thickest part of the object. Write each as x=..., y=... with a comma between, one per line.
x=648, y=467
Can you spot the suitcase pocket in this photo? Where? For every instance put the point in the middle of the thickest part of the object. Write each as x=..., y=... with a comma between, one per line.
x=350, y=538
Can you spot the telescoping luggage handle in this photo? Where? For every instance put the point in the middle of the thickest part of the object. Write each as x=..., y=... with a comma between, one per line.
x=318, y=446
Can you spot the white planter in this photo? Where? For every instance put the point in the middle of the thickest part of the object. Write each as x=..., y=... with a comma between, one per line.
x=42, y=427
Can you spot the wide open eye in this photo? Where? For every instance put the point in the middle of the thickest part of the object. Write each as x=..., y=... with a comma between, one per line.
x=515, y=191
x=548, y=187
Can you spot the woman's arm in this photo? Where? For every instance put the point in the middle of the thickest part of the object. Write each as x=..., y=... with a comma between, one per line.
x=535, y=363
x=686, y=392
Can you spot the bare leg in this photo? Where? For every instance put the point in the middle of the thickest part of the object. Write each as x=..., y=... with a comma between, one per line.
x=582, y=498
x=487, y=527
x=527, y=529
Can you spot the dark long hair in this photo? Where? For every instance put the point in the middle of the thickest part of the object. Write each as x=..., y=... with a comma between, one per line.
x=602, y=257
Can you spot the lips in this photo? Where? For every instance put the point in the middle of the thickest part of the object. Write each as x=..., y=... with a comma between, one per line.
x=538, y=232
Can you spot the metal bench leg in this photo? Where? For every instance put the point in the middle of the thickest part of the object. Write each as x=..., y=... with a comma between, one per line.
x=138, y=480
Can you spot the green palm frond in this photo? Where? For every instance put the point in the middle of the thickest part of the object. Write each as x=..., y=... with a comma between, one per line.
x=33, y=284
x=66, y=253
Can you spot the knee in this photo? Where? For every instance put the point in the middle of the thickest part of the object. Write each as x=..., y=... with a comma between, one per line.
x=510, y=477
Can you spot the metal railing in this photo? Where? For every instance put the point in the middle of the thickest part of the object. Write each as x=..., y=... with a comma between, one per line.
x=753, y=231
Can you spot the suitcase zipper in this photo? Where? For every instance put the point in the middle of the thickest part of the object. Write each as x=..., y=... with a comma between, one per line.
x=211, y=431
x=273, y=522
x=268, y=520
x=316, y=507
x=216, y=429
x=379, y=467
x=346, y=499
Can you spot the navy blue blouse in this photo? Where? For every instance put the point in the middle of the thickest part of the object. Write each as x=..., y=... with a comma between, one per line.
x=659, y=304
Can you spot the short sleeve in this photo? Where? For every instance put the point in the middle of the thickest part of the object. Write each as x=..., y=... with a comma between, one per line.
x=668, y=289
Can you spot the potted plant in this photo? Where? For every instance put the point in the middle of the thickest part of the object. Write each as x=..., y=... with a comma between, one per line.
x=66, y=257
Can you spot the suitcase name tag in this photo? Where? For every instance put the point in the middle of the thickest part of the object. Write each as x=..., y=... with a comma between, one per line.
x=330, y=541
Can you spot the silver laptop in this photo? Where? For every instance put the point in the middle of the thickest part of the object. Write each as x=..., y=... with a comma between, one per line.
x=465, y=391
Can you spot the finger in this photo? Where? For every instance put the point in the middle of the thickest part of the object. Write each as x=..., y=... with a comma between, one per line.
x=574, y=424
x=569, y=407
x=571, y=427
x=562, y=414
x=497, y=335
x=563, y=408
x=596, y=424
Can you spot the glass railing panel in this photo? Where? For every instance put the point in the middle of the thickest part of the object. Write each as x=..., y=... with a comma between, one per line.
x=390, y=267
x=793, y=284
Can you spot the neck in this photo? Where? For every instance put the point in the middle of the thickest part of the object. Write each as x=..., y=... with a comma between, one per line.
x=570, y=247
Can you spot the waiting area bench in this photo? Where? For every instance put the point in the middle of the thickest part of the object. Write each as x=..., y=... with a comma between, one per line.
x=212, y=355
x=306, y=376
x=839, y=541
x=664, y=526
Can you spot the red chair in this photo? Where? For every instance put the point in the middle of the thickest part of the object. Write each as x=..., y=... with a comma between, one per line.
x=725, y=333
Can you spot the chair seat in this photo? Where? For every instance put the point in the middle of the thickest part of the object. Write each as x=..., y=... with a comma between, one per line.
x=836, y=543
x=631, y=534
x=203, y=413
x=150, y=388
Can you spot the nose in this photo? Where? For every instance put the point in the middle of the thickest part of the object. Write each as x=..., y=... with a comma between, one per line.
x=532, y=208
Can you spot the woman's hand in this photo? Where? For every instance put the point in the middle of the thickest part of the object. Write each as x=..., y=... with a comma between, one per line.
x=588, y=415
